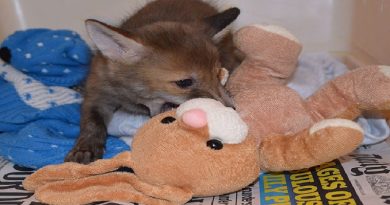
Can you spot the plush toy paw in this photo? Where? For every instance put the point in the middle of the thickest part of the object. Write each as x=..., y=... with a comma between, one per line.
x=255, y=38
x=273, y=46
x=364, y=89
x=332, y=138
x=271, y=51
x=323, y=142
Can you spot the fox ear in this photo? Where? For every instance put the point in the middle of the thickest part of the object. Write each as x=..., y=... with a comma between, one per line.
x=218, y=22
x=113, y=43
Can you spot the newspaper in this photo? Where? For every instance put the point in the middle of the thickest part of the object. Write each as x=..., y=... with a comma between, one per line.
x=362, y=177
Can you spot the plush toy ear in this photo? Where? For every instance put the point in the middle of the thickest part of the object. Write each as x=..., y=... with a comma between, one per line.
x=73, y=183
x=115, y=186
x=220, y=21
x=71, y=170
x=114, y=43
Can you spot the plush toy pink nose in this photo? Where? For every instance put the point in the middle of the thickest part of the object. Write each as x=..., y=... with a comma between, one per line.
x=195, y=118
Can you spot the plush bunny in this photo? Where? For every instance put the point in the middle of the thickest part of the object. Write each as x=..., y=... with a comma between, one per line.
x=204, y=149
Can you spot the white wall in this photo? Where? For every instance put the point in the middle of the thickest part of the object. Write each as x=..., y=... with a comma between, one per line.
x=321, y=25
x=311, y=20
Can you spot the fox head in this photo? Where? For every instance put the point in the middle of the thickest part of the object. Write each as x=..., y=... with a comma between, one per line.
x=166, y=62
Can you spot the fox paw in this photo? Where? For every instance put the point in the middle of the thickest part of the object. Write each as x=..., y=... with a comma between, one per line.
x=85, y=154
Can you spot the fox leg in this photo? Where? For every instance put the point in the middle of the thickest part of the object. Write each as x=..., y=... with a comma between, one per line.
x=365, y=89
x=323, y=142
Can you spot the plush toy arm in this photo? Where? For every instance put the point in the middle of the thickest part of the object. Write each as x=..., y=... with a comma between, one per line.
x=323, y=142
x=363, y=89
x=122, y=187
x=71, y=170
x=270, y=52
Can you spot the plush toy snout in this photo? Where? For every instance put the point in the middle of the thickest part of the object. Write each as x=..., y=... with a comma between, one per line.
x=223, y=122
x=195, y=118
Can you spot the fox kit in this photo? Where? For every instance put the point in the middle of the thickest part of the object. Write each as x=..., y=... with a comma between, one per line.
x=163, y=55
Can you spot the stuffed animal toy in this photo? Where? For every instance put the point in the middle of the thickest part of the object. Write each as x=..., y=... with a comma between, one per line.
x=204, y=149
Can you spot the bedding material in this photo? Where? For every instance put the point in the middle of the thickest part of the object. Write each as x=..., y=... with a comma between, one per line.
x=39, y=114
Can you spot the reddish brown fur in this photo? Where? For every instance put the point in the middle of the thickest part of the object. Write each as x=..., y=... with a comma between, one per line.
x=177, y=40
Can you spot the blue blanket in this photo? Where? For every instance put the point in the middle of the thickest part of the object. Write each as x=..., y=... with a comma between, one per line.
x=39, y=115
x=53, y=57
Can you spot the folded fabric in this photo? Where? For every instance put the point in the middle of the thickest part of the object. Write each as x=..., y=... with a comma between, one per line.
x=53, y=57
x=315, y=69
x=375, y=130
x=39, y=123
x=125, y=125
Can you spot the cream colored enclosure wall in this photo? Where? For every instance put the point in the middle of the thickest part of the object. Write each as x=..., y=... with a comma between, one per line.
x=357, y=30
x=371, y=31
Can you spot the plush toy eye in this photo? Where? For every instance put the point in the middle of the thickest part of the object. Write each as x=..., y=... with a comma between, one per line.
x=5, y=54
x=168, y=120
x=215, y=144
x=184, y=83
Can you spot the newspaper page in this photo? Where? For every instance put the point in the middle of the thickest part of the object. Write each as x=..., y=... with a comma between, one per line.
x=325, y=184
x=361, y=177
x=368, y=170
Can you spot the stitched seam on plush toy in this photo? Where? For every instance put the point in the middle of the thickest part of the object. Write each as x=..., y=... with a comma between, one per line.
x=345, y=99
x=309, y=147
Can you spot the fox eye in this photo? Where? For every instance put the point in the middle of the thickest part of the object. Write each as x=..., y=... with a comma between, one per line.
x=184, y=83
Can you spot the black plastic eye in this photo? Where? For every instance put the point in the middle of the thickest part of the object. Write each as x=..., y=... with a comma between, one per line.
x=5, y=54
x=184, y=83
x=168, y=120
x=215, y=144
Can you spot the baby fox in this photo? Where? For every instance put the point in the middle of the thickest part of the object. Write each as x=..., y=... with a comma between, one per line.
x=166, y=53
